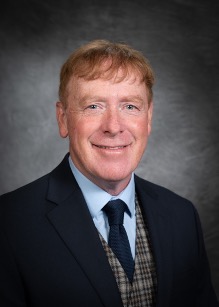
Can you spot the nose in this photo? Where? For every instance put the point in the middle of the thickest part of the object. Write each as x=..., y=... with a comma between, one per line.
x=112, y=122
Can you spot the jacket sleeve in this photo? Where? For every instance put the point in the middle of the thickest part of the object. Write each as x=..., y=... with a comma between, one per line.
x=11, y=288
x=205, y=292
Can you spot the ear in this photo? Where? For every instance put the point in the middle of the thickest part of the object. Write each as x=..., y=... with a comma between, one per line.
x=150, y=113
x=61, y=119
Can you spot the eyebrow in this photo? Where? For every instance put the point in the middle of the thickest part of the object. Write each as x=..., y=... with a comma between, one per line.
x=91, y=98
x=134, y=98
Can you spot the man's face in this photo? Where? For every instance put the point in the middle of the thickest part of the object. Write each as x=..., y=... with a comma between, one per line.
x=108, y=125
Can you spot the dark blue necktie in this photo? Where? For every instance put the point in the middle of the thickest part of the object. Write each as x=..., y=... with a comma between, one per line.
x=118, y=240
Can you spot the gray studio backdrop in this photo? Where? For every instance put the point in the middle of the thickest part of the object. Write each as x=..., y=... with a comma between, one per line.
x=179, y=37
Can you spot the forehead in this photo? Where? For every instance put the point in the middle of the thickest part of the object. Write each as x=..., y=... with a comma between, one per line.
x=120, y=81
x=82, y=90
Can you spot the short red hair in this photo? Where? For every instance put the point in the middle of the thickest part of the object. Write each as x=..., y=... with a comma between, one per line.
x=87, y=63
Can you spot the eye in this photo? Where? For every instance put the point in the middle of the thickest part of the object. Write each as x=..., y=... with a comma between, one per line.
x=131, y=107
x=92, y=107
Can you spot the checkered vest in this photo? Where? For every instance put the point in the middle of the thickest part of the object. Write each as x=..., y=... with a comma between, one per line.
x=141, y=293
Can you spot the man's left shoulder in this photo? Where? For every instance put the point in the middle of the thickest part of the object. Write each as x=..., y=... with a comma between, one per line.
x=162, y=196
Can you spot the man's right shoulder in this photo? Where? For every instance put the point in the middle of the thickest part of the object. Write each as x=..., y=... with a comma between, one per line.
x=27, y=193
x=35, y=190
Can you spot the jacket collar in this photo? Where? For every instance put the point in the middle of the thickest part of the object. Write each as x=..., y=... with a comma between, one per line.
x=157, y=218
x=71, y=219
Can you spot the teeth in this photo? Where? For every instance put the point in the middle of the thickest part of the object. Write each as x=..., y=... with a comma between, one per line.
x=108, y=147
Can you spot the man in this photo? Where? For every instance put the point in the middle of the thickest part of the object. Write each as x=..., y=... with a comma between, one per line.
x=91, y=233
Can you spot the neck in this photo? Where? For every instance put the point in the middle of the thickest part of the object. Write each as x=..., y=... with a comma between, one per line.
x=112, y=187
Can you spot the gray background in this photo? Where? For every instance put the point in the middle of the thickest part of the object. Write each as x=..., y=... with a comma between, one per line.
x=179, y=37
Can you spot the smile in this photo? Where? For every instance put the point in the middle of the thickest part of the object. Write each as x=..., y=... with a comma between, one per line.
x=111, y=147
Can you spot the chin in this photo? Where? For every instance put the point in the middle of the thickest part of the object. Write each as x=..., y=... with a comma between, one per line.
x=115, y=176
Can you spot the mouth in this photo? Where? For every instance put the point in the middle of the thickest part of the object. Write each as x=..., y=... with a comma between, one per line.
x=111, y=147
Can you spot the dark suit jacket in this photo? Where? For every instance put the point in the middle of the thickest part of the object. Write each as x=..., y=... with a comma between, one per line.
x=51, y=255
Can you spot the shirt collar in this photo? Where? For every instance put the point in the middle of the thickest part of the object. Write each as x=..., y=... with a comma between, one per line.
x=96, y=198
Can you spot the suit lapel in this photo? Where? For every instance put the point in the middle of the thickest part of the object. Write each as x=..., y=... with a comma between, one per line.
x=72, y=221
x=159, y=226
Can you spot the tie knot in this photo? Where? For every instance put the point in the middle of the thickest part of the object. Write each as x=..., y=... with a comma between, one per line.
x=115, y=211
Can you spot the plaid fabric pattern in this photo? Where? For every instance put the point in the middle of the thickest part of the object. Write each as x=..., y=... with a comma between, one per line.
x=141, y=293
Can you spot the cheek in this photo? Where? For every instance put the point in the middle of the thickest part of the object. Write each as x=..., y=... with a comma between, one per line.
x=80, y=129
x=74, y=123
x=140, y=129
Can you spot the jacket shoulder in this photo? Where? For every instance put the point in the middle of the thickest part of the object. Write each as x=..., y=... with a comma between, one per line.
x=162, y=195
x=25, y=194
x=37, y=187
